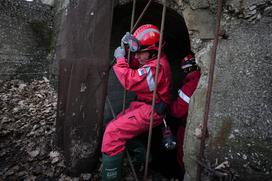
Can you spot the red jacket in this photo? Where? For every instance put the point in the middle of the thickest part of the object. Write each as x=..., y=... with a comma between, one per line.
x=179, y=108
x=141, y=80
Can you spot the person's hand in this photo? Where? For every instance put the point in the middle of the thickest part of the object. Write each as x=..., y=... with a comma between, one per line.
x=189, y=65
x=119, y=52
x=128, y=41
x=125, y=39
x=187, y=62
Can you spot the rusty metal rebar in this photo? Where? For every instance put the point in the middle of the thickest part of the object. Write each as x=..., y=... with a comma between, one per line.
x=209, y=89
x=124, y=97
x=131, y=27
x=141, y=15
x=155, y=90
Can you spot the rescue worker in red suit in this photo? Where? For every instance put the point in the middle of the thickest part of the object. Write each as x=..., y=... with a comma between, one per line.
x=140, y=79
x=179, y=107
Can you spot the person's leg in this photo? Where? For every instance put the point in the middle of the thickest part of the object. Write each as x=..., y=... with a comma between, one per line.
x=134, y=122
x=112, y=167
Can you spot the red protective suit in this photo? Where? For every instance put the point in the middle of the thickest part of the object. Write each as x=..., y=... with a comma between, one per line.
x=179, y=109
x=136, y=118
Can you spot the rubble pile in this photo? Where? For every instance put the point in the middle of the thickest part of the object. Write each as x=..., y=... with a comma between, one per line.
x=27, y=131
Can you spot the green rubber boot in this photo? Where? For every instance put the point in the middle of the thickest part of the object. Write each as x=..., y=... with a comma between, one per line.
x=112, y=167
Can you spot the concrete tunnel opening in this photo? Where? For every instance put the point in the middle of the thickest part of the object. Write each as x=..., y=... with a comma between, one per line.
x=240, y=113
x=177, y=45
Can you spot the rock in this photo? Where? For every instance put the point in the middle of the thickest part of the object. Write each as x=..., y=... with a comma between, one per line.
x=86, y=176
x=268, y=11
x=3, y=153
x=37, y=170
x=21, y=173
x=180, y=3
x=61, y=164
x=48, y=2
x=252, y=18
x=54, y=154
x=252, y=12
x=22, y=86
x=252, y=7
x=55, y=160
x=34, y=153
x=9, y=173
x=199, y=4
x=44, y=78
x=259, y=16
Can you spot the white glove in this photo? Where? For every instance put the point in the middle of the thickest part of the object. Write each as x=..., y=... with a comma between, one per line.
x=119, y=52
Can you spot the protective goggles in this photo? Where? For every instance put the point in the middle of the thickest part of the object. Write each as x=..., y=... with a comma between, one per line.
x=132, y=43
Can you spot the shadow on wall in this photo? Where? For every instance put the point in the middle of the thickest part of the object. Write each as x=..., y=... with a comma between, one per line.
x=175, y=34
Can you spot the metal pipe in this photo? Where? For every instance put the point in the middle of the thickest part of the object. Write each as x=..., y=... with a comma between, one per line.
x=155, y=90
x=209, y=89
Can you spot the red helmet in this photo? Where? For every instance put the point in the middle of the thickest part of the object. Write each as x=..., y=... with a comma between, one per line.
x=148, y=37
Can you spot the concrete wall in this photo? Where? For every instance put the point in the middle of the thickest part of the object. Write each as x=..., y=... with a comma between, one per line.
x=241, y=106
x=25, y=39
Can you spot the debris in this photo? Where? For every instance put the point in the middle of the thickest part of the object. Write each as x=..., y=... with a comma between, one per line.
x=54, y=154
x=27, y=123
x=231, y=136
x=28, y=115
x=223, y=165
x=218, y=172
x=251, y=8
x=34, y=153
x=268, y=11
x=244, y=157
x=22, y=86
x=86, y=176
x=45, y=79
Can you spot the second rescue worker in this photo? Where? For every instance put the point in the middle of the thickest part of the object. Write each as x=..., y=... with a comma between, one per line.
x=139, y=78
